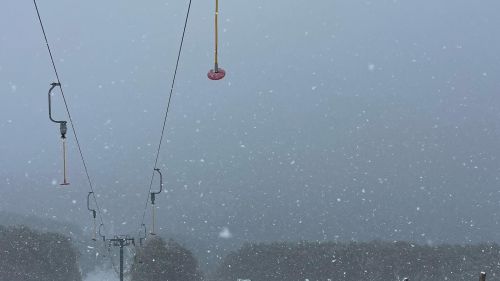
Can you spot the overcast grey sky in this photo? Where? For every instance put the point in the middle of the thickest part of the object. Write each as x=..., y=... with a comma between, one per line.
x=337, y=119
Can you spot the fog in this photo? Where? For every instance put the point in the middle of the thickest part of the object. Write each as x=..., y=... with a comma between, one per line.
x=337, y=120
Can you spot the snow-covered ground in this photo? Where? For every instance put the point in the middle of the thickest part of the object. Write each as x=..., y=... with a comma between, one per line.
x=102, y=276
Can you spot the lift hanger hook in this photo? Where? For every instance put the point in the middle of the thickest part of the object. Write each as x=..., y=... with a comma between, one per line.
x=153, y=197
x=100, y=233
x=94, y=215
x=142, y=238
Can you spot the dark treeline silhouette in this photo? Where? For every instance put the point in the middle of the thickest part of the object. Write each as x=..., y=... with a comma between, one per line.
x=28, y=255
x=160, y=260
x=87, y=258
x=373, y=261
x=33, y=255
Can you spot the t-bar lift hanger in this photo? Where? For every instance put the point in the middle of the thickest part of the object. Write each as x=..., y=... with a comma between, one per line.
x=94, y=215
x=217, y=73
x=63, y=129
x=153, y=197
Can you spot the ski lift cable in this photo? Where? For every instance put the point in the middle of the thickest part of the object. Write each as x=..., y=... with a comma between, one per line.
x=98, y=208
x=166, y=113
x=91, y=186
x=74, y=131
